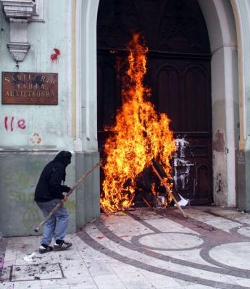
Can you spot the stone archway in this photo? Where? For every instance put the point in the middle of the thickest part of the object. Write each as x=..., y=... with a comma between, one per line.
x=221, y=28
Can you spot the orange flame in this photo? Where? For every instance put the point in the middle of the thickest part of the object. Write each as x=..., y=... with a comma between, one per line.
x=140, y=135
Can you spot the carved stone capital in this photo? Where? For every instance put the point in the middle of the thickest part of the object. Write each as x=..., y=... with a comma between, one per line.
x=18, y=50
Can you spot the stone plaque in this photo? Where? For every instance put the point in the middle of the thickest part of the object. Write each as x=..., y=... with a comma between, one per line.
x=29, y=88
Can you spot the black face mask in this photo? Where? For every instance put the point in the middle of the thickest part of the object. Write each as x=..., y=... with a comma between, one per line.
x=67, y=161
x=64, y=157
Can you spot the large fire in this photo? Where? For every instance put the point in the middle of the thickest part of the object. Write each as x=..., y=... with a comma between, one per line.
x=140, y=136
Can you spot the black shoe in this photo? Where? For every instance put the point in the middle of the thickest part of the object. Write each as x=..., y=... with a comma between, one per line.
x=44, y=249
x=62, y=246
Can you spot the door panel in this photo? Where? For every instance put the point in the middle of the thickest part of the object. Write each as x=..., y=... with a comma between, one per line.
x=191, y=165
x=181, y=89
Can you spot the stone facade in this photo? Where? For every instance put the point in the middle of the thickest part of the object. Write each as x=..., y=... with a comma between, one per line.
x=59, y=36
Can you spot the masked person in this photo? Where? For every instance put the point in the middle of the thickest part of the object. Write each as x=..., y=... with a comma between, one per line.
x=49, y=192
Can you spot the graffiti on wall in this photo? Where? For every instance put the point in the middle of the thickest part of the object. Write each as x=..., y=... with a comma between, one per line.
x=20, y=186
x=219, y=184
x=54, y=57
x=36, y=139
x=219, y=142
x=10, y=123
x=181, y=166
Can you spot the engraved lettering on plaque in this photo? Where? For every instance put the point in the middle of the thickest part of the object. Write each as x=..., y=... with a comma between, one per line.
x=29, y=88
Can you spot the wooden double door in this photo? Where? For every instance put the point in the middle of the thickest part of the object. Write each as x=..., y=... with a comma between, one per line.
x=178, y=73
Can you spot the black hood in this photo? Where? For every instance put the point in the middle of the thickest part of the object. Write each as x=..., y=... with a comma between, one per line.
x=63, y=157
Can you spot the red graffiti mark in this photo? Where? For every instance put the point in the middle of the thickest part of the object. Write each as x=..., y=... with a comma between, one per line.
x=57, y=51
x=11, y=123
x=219, y=142
x=20, y=123
x=36, y=138
x=6, y=122
x=54, y=56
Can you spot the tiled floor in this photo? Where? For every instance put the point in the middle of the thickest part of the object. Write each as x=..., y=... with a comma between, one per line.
x=140, y=249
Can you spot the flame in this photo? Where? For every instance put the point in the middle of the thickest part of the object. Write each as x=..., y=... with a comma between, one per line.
x=140, y=135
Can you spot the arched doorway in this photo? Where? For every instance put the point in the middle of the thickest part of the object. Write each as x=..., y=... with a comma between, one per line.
x=178, y=74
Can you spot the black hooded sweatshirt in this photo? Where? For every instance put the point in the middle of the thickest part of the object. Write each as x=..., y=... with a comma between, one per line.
x=50, y=186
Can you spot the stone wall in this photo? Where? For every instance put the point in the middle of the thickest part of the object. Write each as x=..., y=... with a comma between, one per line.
x=19, y=173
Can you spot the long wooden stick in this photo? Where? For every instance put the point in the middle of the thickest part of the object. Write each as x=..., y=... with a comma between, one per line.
x=168, y=190
x=65, y=198
x=147, y=203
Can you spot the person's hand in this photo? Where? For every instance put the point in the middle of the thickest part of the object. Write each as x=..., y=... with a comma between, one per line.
x=65, y=189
